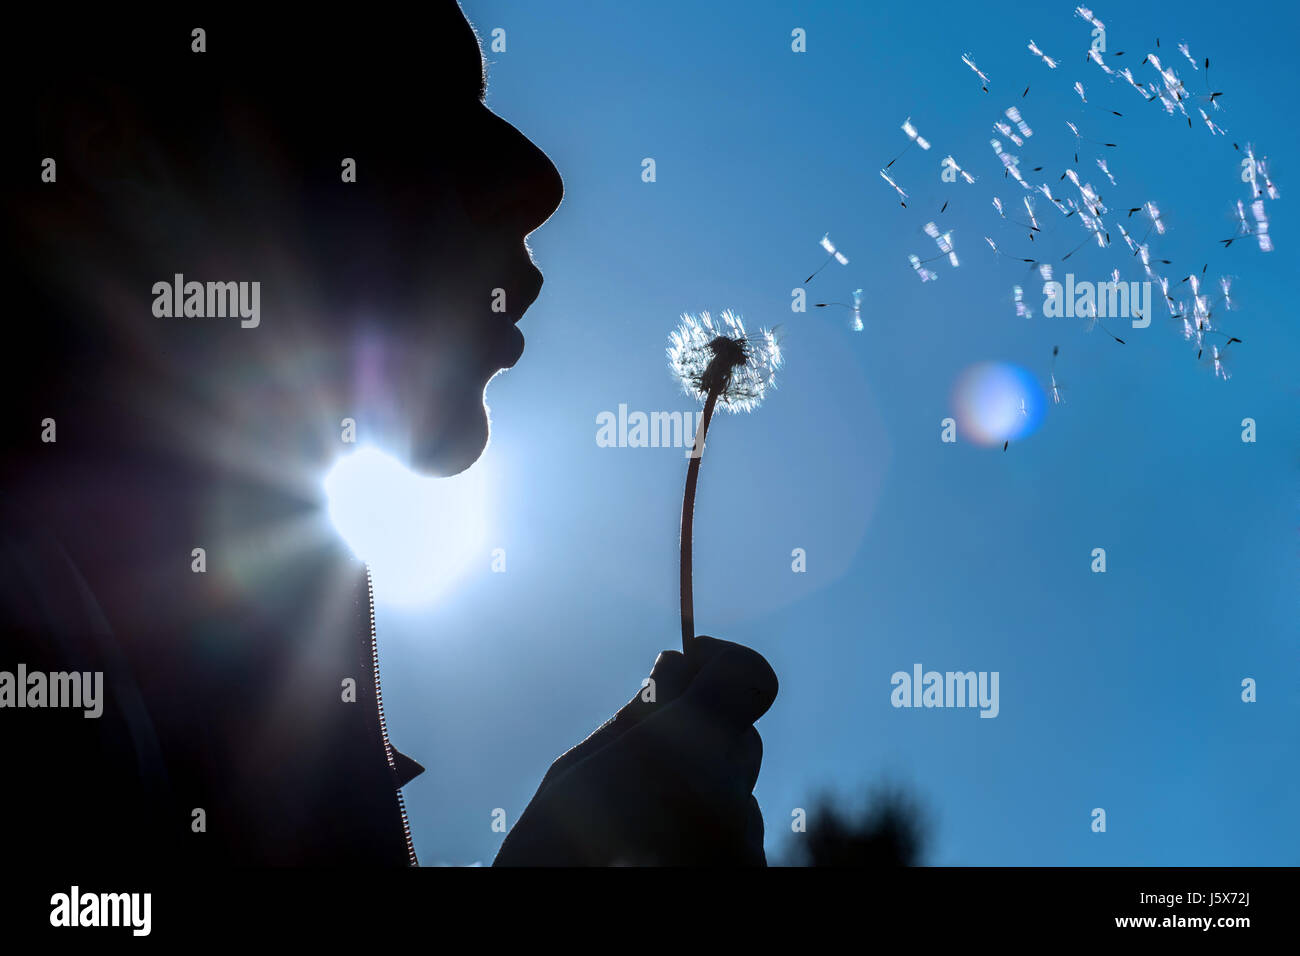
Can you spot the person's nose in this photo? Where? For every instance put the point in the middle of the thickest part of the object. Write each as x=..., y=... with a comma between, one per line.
x=516, y=187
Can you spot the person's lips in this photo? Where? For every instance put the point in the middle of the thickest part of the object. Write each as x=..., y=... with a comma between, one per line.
x=528, y=288
x=510, y=347
x=510, y=340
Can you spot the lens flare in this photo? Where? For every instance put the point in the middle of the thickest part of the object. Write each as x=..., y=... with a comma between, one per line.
x=419, y=535
x=996, y=402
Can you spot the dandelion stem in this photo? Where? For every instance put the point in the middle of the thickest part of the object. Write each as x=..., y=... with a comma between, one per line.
x=688, y=519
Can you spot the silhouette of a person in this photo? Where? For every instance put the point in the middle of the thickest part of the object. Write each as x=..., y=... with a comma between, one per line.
x=351, y=211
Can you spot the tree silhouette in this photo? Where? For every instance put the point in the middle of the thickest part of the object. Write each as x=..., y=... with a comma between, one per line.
x=891, y=830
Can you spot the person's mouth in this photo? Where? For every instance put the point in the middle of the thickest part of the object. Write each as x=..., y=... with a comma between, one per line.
x=510, y=341
x=510, y=346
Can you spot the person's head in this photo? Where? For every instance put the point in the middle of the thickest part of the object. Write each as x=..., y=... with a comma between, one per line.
x=334, y=181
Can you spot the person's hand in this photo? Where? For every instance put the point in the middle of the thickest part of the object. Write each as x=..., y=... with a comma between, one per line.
x=666, y=781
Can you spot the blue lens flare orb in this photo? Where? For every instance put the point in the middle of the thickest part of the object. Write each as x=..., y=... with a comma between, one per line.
x=997, y=402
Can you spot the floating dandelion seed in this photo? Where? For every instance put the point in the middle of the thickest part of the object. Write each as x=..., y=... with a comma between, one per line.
x=855, y=323
x=1033, y=223
x=898, y=189
x=952, y=164
x=1033, y=48
x=1261, y=226
x=1080, y=139
x=1243, y=227
x=1095, y=56
x=994, y=246
x=914, y=136
x=1128, y=75
x=1200, y=349
x=967, y=59
x=1128, y=240
x=835, y=254
x=1086, y=14
x=1013, y=114
x=1078, y=88
x=1054, y=389
x=925, y=274
x=1154, y=213
x=1089, y=312
x=1022, y=311
x=1216, y=362
x=1225, y=283
x=1261, y=166
x=717, y=361
x=857, y=309
x=944, y=242
x=1005, y=130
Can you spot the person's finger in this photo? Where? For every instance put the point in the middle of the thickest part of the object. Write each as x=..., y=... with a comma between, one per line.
x=698, y=733
x=704, y=650
x=733, y=688
x=734, y=841
x=668, y=679
x=671, y=675
x=754, y=854
x=747, y=759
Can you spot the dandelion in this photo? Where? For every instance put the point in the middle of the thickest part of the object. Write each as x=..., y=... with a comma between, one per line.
x=719, y=362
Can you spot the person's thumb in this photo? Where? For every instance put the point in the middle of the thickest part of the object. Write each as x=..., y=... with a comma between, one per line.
x=734, y=685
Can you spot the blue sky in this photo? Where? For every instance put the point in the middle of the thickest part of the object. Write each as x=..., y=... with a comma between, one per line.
x=1118, y=690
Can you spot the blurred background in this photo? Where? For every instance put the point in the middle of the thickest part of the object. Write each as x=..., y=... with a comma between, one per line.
x=1119, y=690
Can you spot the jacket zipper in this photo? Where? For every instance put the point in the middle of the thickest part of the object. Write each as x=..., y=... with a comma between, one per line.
x=383, y=724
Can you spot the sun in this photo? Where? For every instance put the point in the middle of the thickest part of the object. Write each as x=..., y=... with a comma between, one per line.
x=419, y=535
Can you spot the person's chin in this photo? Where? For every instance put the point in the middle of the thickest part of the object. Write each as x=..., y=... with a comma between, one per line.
x=456, y=431
x=457, y=444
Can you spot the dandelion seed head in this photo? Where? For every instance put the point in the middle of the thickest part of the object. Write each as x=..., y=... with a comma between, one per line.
x=707, y=353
